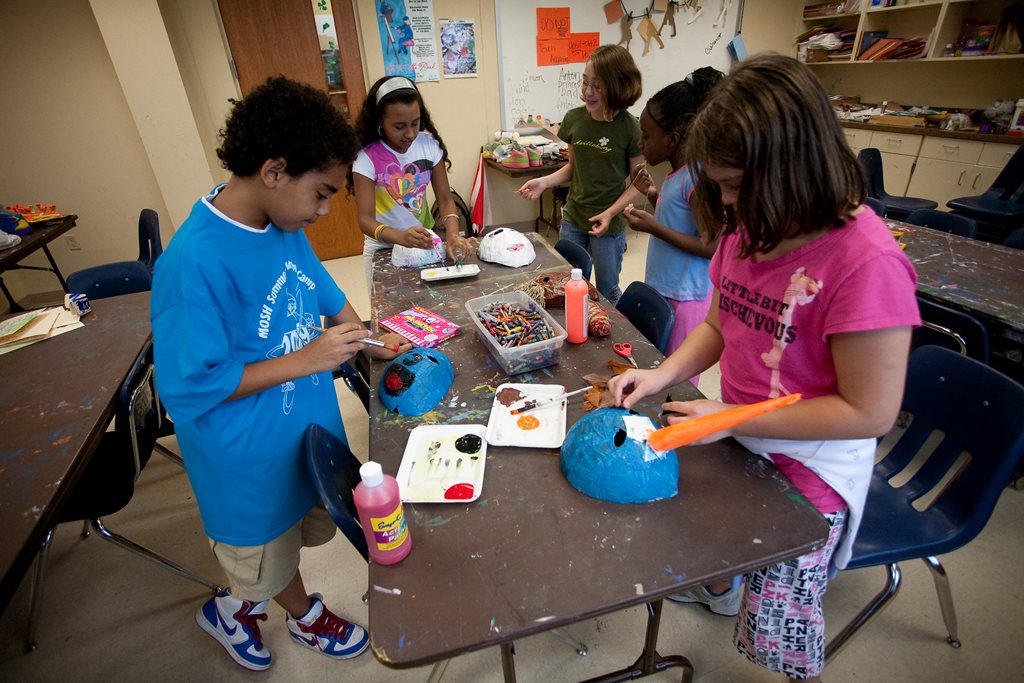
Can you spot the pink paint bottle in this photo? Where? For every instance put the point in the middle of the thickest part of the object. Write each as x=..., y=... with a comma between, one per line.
x=577, y=298
x=380, y=514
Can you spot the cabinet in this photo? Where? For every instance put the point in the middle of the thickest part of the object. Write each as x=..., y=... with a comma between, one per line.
x=938, y=22
x=899, y=151
x=947, y=169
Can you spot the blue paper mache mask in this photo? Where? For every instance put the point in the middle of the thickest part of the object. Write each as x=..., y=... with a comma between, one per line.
x=606, y=456
x=416, y=381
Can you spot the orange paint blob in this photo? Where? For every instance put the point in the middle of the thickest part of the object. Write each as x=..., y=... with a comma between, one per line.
x=528, y=422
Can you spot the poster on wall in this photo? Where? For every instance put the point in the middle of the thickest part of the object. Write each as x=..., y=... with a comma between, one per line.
x=458, y=48
x=407, y=38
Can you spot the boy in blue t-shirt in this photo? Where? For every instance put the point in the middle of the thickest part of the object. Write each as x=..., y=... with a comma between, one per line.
x=243, y=370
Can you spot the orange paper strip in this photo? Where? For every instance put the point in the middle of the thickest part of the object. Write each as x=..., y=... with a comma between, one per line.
x=688, y=431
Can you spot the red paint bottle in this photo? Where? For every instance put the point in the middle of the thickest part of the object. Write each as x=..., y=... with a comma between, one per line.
x=577, y=298
x=381, y=516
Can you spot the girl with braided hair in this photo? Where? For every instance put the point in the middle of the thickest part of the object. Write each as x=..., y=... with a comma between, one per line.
x=677, y=256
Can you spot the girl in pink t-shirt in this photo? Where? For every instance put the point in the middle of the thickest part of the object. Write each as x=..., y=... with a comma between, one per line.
x=811, y=295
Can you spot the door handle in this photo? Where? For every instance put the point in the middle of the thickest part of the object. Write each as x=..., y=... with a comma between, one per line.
x=974, y=185
x=960, y=180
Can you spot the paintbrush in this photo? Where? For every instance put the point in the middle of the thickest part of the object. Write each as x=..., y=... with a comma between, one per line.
x=531, y=404
x=367, y=341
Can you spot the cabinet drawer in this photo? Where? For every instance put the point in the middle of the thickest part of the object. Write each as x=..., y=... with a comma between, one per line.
x=996, y=154
x=896, y=143
x=951, y=149
x=857, y=139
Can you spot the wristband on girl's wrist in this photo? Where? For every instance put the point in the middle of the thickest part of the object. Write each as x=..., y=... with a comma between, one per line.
x=378, y=232
x=449, y=215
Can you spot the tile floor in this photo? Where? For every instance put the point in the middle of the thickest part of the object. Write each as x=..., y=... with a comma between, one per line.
x=111, y=617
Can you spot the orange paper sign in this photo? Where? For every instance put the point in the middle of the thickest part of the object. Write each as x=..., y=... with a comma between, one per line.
x=582, y=45
x=552, y=52
x=552, y=22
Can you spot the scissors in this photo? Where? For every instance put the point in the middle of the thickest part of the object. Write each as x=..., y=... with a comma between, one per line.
x=626, y=351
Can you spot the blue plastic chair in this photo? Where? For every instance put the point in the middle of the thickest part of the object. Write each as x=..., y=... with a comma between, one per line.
x=1015, y=239
x=951, y=329
x=335, y=473
x=895, y=207
x=945, y=221
x=1000, y=207
x=649, y=312
x=111, y=279
x=577, y=256
x=938, y=474
x=876, y=205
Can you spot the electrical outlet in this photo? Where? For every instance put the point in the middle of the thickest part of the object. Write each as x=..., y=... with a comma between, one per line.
x=73, y=244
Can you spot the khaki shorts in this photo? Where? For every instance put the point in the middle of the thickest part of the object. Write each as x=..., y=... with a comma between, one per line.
x=260, y=572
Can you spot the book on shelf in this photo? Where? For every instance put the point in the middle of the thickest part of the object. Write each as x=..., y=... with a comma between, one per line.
x=868, y=39
x=879, y=49
x=420, y=326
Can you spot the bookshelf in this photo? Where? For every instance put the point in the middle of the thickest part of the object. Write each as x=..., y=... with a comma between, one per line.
x=938, y=22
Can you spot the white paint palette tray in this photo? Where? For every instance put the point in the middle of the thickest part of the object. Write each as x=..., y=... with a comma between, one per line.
x=449, y=273
x=443, y=464
x=542, y=427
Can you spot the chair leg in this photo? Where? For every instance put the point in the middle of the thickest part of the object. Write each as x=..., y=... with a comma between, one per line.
x=86, y=532
x=36, y=600
x=945, y=599
x=437, y=672
x=169, y=454
x=103, y=532
x=566, y=637
x=892, y=586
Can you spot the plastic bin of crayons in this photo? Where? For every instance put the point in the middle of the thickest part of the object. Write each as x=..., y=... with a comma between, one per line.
x=517, y=357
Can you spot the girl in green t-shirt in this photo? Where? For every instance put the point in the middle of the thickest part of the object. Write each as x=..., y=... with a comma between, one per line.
x=604, y=153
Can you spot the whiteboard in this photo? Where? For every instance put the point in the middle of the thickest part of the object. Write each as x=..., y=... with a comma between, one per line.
x=550, y=91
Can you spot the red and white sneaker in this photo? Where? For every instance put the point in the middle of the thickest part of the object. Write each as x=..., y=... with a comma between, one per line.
x=323, y=631
x=235, y=625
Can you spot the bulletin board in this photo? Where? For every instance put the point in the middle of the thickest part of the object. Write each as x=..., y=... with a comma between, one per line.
x=549, y=91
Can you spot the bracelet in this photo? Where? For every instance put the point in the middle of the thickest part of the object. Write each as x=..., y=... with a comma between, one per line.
x=379, y=231
x=449, y=215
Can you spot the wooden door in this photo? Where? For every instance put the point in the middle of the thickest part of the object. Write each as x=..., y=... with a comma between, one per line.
x=278, y=37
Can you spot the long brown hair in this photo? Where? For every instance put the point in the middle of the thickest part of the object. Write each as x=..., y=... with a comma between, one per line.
x=772, y=119
x=620, y=78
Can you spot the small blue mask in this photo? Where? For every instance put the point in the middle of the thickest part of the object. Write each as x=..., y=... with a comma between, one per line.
x=416, y=381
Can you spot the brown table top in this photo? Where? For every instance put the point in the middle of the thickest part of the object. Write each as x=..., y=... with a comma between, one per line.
x=56, y=400
x=40, y=237
x=532, y=553
x=977, y=277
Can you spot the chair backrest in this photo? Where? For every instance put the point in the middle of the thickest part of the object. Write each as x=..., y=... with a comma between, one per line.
x=944, y=220
x=951, y=329
x=871, y=161
x=335, y=472
x=877, y=205
x=958, y=441
x=1009, y=184
x=576, y=255
x=1015, y=239
x=150, y=246
x=649, y=312
x=111, y=279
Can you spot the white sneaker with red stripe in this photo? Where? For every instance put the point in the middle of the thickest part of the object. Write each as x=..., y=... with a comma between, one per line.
x=322, y=630
x=235, y=625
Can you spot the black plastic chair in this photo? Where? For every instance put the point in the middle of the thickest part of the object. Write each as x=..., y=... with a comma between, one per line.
x=951, y=329
x=945, y=221
x=895, y=207
x=649, y=312
x=577, y=256
x=876, y=205
x=108, y=482
x=938, y=474
x=150, y=245
x=1000, y=208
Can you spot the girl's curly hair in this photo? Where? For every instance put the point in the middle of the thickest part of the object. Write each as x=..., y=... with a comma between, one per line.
x=285, y=119
x=675, y=105
x=370, y=115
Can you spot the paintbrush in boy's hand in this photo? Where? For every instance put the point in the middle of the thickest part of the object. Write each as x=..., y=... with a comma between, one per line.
x=367, y=341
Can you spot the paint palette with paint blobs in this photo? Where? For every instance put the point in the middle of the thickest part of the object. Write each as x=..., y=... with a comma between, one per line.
x=449, y=273
x=443, y=464
x=542, y=427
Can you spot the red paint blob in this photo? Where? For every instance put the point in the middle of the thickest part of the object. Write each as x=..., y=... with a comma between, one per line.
x=459, y=492
x=392, y=382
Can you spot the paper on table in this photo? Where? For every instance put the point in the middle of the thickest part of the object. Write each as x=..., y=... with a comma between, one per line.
x=65, y=322
x=38, y=326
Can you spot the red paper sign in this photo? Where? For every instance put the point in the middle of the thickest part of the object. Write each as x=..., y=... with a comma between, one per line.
x=552, y=52
x=552, y=22
x=581, y=45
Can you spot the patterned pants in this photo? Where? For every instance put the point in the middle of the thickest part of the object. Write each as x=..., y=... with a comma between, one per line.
x=781, y=626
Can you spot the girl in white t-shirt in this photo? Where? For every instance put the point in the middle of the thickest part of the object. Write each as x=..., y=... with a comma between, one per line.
x=401, y=155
